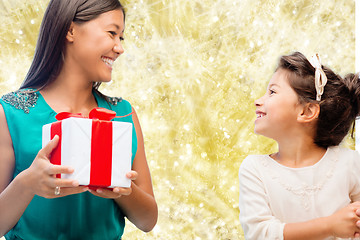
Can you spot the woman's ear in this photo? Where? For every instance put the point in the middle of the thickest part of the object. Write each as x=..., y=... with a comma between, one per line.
x=70, y=33
x=310, y=112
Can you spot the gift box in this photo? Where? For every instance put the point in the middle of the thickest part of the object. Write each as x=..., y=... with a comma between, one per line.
x=99, y=150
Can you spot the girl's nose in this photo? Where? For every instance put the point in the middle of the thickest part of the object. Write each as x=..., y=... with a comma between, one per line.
x=257, y=102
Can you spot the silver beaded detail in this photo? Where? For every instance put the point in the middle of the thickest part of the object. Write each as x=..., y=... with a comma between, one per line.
x=21, y=99
x=114, y=100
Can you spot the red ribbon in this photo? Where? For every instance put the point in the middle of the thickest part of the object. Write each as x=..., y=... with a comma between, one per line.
x=101, y=144
x=96, y=113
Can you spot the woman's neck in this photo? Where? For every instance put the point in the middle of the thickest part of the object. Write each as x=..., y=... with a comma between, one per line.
x=68, y=94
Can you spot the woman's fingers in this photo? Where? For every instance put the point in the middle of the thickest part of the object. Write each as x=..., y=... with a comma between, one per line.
x=122, y=191
x=105, y=193
x=55, y=192
x=116, y=192
x=64, y=191
x=132, y=175
x=55, y=187
x=58, y=169
x=47, y=150
x=57, y=182
x=108, y=193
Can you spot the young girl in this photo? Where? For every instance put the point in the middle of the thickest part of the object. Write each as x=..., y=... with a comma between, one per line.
x=309, y=188
x=78, y=43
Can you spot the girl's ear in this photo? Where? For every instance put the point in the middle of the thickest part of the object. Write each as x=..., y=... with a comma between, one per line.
x=70, y=33
x=309, y=113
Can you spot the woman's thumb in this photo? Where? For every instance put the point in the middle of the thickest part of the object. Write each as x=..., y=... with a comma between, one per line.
x=50, y=146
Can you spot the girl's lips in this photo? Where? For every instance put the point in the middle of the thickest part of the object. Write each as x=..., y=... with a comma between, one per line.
x=259, y=114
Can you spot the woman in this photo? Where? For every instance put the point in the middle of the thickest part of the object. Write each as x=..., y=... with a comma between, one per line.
x=78, y=43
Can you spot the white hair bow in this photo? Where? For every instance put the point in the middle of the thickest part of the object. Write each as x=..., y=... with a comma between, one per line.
x=320, y=76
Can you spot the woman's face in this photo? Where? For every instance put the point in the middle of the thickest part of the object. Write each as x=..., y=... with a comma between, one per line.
x=93, y=46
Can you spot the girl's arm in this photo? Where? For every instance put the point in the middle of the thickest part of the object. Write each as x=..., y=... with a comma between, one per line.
x=341, y=224
x=16, y=194
x=137, y=202
x=258, y=221
x=256, y=217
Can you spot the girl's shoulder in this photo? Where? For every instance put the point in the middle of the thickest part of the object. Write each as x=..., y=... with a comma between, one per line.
x=255, y=158
x=253, y=162
x=346, y=154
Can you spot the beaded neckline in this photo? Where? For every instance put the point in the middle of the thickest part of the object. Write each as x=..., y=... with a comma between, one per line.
x=114, y=100
x=305, y=191
x=25, y=99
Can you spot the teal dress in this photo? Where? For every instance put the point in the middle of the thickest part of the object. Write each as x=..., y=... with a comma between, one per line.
x=79, y=216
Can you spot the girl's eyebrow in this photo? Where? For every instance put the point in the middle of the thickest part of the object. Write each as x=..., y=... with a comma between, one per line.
x=274, y=85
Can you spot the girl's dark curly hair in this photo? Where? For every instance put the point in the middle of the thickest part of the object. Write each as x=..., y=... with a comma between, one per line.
x=339, y=105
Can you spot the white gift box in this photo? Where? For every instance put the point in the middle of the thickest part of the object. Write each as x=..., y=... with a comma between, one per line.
x=87, y=150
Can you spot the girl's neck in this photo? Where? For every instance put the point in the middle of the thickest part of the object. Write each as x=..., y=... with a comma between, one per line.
x=297, y=154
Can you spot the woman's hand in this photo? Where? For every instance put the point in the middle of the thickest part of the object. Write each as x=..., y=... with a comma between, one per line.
x=116, y=192
x=40, y=176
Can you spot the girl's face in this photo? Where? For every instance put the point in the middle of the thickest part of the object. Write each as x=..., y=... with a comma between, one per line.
x=277, y=110
x=95, y=45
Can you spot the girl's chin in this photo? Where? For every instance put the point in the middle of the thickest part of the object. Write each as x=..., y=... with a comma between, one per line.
x=260, y=132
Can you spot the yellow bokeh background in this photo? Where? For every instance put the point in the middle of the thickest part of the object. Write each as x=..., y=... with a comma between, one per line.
x=192, y=69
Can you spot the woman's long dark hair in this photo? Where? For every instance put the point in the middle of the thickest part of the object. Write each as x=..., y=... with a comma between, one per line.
x=48, y=58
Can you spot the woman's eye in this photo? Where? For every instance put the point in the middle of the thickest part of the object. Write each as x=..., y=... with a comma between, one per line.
x=122, y=39
x=112, y=33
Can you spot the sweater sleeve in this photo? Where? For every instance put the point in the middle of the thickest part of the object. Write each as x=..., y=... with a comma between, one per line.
x=256, y=216
x=354, y=168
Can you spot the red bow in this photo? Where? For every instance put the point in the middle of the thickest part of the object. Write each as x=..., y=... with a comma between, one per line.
x=96, y=113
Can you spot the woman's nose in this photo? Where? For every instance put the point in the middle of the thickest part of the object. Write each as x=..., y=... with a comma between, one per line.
x=118, y=48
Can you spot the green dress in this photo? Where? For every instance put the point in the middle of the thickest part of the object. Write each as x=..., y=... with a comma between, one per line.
x=79, y=216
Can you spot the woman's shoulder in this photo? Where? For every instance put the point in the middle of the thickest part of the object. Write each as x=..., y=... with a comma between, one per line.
x=22, y=99
x=113, y=101
x=121, y=106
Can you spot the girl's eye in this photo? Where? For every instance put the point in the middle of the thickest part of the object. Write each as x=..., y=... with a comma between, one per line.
x=271, y=91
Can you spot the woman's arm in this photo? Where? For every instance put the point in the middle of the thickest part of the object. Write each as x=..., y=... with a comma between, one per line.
x=137, y=202
x=140, y=206
x=9, y=213
x=16, y=194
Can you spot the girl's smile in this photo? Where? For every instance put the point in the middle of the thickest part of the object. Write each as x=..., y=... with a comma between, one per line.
x=276, y=111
